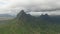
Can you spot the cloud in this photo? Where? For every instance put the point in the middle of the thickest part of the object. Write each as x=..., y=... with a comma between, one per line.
x=40, y=5
x=12, y=6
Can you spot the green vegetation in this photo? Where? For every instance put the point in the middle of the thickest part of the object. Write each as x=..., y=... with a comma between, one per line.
x=27, y=24
x=18, y=27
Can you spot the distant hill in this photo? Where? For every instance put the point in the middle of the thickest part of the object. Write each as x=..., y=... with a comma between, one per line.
x=6, y=15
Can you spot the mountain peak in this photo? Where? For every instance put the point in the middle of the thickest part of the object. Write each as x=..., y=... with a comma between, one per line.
x=21, y=14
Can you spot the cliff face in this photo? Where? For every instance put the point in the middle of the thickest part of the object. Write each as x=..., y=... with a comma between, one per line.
x=27, y=18
x=23, y=16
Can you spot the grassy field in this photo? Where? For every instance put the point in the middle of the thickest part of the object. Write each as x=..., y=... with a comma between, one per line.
x=5, y=18
x=11, y=26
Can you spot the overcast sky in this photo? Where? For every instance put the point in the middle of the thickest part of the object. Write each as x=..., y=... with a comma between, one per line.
x=14, y=6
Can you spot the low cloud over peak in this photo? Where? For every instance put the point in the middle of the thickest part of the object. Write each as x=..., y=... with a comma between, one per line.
x=12, y=6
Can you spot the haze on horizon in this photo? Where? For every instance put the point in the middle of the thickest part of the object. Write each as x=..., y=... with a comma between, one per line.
x=44, y=6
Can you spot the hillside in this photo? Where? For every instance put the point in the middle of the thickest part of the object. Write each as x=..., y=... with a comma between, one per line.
x=27, y=24
x=27, y=17
x=43, y=24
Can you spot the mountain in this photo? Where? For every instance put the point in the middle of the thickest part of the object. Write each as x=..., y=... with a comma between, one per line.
x=22, y=16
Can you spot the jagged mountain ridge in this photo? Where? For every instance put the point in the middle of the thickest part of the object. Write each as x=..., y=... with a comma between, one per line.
x=27, y=17
x=23, y=15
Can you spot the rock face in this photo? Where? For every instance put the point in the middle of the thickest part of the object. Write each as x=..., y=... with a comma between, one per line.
x=27, y=17
x=45, y=16
x=23, y=16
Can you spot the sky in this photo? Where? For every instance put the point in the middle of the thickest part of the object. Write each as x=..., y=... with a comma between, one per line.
x=44, y=6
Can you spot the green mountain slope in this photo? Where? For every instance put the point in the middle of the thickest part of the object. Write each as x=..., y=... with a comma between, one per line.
x=27, y=24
